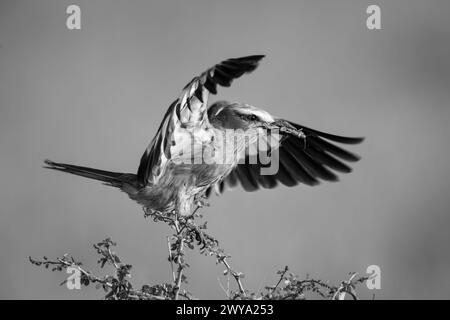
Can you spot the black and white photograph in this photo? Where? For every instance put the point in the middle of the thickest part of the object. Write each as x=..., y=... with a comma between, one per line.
x=243, y=152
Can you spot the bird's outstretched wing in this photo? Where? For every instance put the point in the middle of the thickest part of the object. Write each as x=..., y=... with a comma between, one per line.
x=300, y=160
x=189, y=111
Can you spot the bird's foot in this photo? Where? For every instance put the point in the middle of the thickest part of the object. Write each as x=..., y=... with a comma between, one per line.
x=156, y=215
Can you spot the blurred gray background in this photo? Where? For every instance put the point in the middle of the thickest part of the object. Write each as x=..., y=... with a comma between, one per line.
x=95, y=97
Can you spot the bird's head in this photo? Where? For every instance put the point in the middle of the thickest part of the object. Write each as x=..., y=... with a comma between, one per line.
x=244, y=116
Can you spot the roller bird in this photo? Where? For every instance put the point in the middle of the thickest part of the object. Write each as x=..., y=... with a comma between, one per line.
x=174, y=176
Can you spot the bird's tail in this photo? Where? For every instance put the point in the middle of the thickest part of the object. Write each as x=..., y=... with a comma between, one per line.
x=115, y=179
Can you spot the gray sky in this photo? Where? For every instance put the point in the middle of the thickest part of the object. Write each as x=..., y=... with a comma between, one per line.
x=95, y=97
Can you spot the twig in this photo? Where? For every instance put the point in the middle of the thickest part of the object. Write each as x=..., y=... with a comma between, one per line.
x=180, y=242
x=171, y=259
x=236, y=275
x=347, y=287
x=281, y=279
x=112, y=259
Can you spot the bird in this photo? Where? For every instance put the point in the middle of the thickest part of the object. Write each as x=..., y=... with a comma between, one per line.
x=174, y=178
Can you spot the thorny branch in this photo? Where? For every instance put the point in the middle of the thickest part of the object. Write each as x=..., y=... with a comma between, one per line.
x=294, y=288
x=188, y=234
x=117, y=287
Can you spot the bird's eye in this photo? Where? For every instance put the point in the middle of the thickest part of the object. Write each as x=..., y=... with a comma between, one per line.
x=252, y=117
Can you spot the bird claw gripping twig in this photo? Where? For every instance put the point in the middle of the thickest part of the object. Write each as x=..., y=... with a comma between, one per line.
x=295, y=132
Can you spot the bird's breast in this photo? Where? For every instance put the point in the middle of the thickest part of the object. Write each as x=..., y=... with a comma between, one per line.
x=199, y=158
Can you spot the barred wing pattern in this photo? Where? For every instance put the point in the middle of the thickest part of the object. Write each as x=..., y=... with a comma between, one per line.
x=301, y=160
x=189, y=111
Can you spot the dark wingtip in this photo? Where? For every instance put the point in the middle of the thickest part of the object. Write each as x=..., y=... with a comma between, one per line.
x=49, y=164
x=356, y=140
x=257, y=57
x=252, y=57
x=54, y=165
